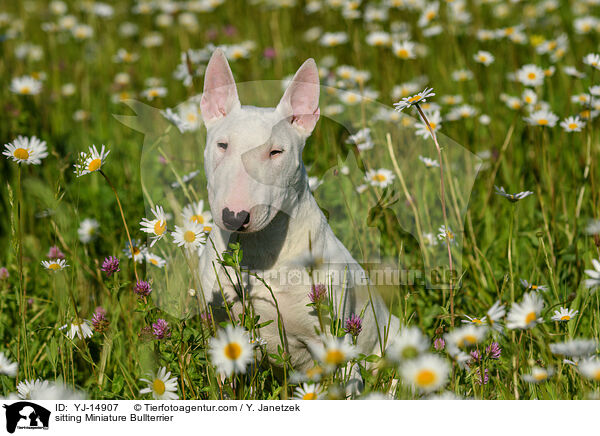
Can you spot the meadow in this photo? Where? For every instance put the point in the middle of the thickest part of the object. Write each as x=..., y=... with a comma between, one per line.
x=101, y=125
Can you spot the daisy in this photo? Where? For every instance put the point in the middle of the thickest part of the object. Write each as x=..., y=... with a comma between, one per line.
x=484, y=57
x=462, y=75
x=333, y=39
x=26, y=150
x=530, y=75
x=409, y=343
x=91, y=161
x=532, y=287
x=593, y=60
x=362, y=139
x=161, y=385
x=155, y=260
x=474, y=321
x=190, y=235
x=28, y=388
x=155, y=92
x=7, y=367
x=414, y=99
x=54, y=265
x=56, y=391
x=380, y=177
x=87, y=230
x=379, y=39
x=590, y=368
x=564, y=314
x=513, y=198
x=430, y=12
x=139, y=251
x=446, y=234
x=194, y=212
x=525, y=315
x=495, y=314
x=466, y=336
x=573, y=72
x=404, y=49
x=231, y=350
x=575, y=348
x=333, y=352
x=157, y=226
x=594, y=280
x=529, y=97
x=25, y=85
x=435, y=122
x=308, y=392
x=461, y=112
x=543, y=118
x=427, y=373
x=572, y=124
x=538, y=375
x=593, y=227
x=82, y=328
x=429, y=163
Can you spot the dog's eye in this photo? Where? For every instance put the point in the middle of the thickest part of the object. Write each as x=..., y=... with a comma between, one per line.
x=274, y=153
x=222, y=145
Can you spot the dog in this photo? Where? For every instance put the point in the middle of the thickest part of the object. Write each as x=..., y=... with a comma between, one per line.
x=259, y=197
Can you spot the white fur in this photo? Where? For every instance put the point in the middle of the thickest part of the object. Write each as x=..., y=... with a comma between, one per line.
x=286, y=223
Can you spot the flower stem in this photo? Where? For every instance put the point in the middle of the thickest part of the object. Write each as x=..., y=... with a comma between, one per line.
x=124, y=223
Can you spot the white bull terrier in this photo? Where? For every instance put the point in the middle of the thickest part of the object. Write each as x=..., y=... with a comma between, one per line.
x=259, y=196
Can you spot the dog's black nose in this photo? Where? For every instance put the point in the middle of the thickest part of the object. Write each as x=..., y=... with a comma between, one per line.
x=235, y=221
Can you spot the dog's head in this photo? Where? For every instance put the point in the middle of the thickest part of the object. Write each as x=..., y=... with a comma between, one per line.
x=253, y=156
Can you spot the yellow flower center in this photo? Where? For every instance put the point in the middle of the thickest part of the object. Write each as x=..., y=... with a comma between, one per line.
x=468, y=340
x=540, y=376
x=54, y=266
x=94, y=165
x=425, y=377
x=309, y=396
x=189, y=236
x=158, y=386
x=430, y=15
x=476, y=321
x=21, y=153
x=572, y=126
x=136, y=251
x=414, y=98
x=565, y=318
x=379, y=177
x=159, y=227
x=597, y=375
x=233, y=350
x=154, y=261
x=153, y=93
x=25, y=90
x=192, y=117
x=433, y=125
x=531, y=316
x=207, y=229
x=314, y=372
x=197, y=218
x=352, y=98
x=334, y=357
x=402, y=53
x=542, y=122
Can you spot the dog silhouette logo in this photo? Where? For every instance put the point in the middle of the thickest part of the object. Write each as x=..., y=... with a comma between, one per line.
x=26, y=415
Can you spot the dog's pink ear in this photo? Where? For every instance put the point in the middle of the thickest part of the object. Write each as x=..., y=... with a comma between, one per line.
x=300, y=102
x=220, y=95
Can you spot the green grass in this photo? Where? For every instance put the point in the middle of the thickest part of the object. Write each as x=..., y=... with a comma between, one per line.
x=549, y=243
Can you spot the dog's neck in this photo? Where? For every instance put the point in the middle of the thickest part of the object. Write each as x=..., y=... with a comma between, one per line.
x=285, y=239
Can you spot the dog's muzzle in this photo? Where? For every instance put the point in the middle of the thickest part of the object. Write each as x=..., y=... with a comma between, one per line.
x=235, y=221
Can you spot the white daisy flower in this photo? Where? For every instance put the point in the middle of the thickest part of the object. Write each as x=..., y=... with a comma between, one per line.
x=429, y=163
x=333, y=352
x=190, y=235
x=484, y=57
x=333, y=39
x=495, y=314
x=409, y=343
x=7, y=367
x=154, y=92
x=381, y=177
x=194, y=212
x=446, y=234
x=28, y=388
x=466, y=336
x=155, y=260
x=529, y=97
x=593, y=60
x=427, y=373
x=56, y=391
x=379, y=39
x=362, y=139
x=308, y=392
x=530, y=75
x=572, y=124
x=161, y=385
x=139, y=250
x=590, y=368
x=414, y=99
x=26, y=150
x=435, y=122
x=564, y=314
x=512, y=197
x=526, y=314
x=474, y=321
x=82, y=328
x=157, y=226
x=531, y=287
x=25, y=85
x=593, y=227
x=543, y=118
x=91, y=161
x=231, y=350
x=313, y=183
x=594, y=275
x=404, y=49
x=538, y=374
x=88, y=230
x=55, y=265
